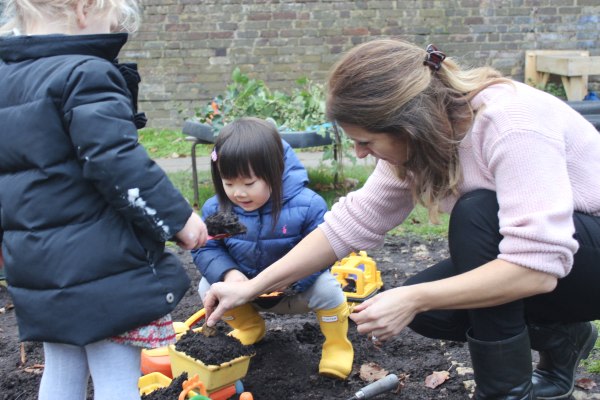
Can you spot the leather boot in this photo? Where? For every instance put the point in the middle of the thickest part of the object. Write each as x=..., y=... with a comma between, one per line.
x=248, y=326
x=561, y=348
x=338, y=354
x=502, y=369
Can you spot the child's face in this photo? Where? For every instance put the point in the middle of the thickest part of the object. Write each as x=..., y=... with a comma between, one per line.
x=250, y=193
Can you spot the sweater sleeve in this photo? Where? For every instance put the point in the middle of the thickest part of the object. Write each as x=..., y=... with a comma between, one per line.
x=360, y=220
x=535, y=199
x=99, y=114
x=213, y=260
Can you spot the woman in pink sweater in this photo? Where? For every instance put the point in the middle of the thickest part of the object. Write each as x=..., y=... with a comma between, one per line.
x=518, y=171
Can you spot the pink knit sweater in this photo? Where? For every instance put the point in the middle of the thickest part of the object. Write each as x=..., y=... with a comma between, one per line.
x=541, y=158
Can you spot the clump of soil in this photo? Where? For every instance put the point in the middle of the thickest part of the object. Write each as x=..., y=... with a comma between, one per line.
x=223, y=222
x=170, y=392
x=213, y=350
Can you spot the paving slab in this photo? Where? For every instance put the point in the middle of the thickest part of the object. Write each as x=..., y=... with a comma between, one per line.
x=310, y=159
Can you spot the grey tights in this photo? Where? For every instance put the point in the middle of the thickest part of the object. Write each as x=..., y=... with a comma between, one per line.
x=114, y=368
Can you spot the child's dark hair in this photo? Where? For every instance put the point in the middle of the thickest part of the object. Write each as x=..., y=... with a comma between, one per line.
x=245, y=146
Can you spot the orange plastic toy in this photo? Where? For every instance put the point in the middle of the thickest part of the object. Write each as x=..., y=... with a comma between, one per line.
x=157, y=360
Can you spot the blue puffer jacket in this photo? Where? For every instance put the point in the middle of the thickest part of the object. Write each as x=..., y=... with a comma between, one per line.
x=261, y=245
x=84, y=212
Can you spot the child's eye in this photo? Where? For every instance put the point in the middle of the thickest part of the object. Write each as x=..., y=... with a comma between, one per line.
x=362, y=143
x=250, y=183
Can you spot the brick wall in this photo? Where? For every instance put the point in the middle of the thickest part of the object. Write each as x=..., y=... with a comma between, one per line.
x=186, y=49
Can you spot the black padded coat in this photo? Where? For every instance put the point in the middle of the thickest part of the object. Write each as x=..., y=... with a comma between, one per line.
x=84, y=212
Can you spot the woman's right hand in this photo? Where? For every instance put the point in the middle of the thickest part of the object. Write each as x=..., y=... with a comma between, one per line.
x=223, y=296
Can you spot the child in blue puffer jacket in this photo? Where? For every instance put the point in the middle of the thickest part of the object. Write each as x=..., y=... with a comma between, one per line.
x=258, y=177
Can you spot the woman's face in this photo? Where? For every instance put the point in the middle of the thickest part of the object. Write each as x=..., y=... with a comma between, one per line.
x=383, y=146
x=250, y=193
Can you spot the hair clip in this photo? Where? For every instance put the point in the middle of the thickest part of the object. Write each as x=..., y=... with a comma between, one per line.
x=213, y=154
x=434, y=57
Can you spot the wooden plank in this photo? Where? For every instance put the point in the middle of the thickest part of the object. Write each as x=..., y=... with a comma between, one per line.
x=535, y=78
x=568, y=65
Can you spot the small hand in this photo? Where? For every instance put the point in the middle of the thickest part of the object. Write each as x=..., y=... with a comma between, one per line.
x=386, y=314
x=233, y=275
x=194, y=233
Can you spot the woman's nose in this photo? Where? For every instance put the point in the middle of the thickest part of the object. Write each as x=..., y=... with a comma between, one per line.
x=360, y=150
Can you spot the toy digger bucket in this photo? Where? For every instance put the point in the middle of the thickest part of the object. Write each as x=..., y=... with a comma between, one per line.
x=358, y=275
x=157, y=360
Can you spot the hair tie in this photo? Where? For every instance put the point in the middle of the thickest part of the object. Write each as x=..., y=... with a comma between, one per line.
x=434, y=57
x=213, y=154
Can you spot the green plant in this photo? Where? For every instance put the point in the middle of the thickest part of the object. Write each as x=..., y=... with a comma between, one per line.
x=555, y=89
x=301, y=109
x=592, y=364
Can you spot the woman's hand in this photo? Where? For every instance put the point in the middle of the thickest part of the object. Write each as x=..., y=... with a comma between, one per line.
x=386, y=314
x=223, y=296
x=194, y=233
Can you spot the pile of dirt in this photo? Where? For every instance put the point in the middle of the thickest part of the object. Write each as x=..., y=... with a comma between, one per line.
x=287, y=359
x=212, y=350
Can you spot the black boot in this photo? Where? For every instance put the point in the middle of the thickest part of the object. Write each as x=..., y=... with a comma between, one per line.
x=561, y=348
x=503, y=368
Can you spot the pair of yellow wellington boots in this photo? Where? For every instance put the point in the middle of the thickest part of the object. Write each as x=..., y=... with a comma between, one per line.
x=338, y=354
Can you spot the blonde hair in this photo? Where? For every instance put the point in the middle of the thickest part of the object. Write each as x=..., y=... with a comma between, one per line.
x=383, y=86
x=18, y=13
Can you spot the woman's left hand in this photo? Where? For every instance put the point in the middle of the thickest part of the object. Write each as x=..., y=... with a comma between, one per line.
x=386, y=314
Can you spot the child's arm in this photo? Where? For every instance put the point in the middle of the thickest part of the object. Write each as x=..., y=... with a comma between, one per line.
x=99, y=115
x=213, y=260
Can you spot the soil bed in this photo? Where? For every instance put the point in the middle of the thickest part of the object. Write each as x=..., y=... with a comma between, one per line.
x=287, y=359
x=213, y=350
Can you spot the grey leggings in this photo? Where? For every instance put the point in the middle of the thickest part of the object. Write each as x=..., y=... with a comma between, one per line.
x=114, y=368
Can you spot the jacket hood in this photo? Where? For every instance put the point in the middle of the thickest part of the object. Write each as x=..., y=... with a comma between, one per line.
x=295, y=177
x=19, y=48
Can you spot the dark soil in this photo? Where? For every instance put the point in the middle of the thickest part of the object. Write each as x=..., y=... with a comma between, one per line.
x=287, y=359
x=224, y=223
x=170, y=392
x=212, y=350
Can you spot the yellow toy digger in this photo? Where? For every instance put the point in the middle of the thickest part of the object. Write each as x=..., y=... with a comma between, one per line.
x=358, y=275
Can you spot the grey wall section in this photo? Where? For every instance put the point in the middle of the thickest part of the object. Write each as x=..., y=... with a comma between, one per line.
x=186, y=49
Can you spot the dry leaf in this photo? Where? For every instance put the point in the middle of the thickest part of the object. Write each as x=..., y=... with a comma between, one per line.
x=436, y=379
x=585, y=383
x=35, y=369
x=371, y=372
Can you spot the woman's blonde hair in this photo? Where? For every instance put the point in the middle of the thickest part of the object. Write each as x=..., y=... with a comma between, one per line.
x=384, y=86
x=17, y=13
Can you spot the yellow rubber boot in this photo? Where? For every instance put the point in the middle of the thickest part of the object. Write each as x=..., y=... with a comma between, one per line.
x=248, y=326
x=338, y=354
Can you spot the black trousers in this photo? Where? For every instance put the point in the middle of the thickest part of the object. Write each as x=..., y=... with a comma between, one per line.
x=473, y=240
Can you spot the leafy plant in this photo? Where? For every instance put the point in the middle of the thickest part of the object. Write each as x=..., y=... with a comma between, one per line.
x=302, y=109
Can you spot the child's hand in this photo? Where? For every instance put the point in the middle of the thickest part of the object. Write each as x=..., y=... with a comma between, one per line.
x=233, y=275
x=194, y=233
